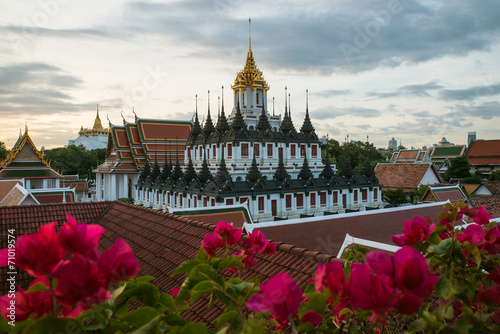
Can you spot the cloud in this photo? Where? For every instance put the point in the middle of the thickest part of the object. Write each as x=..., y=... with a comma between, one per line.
x=333, y=92
x=422, y=114
x=353, y=111
x=487, y=110
x=408, y=90
x=471, y=93
x=41, y=89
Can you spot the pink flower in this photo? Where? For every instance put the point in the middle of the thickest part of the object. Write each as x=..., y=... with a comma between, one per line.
x=20, y=311
x=39, y=254
x=226, y=232
x=332, y=276
x=489, y=297
x=492, y=240
x=495, y=275
x=369, y=292
x=80, y=238
x=281, y=296
x=211, y=243
x=472, y=233
x=415, y=231
x=255, y=241
x=79, y=280
x=411, y=272
x=118, y=263
x=175, y=292
x=311, y=316
x=270, y=249
x=482, y=217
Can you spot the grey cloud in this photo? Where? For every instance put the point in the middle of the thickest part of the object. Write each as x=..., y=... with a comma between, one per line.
x=332, y=112
x=422, y=114
x=487, y=110
x=470, y=93
x=413, y=90
x=332, y=92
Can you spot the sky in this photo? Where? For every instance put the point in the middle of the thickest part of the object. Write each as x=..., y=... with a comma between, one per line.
x=415, y=70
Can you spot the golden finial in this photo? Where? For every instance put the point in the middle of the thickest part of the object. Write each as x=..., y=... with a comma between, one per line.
x=249, y=34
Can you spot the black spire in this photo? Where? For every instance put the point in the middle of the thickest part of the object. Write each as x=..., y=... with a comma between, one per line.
x=305, y=173
x=327, y=173
x=286, y=127
x=238, y=123
x=196, y=130
x=190, y=173
x=222, y=125
x=204, y=174
x=177, y=172
x=368, y=171
x=156, y=171
x=222, y=174
x=347, y=172
x=254, y=173
x=281, y=175
x=208, y=127
x=263, y=124
x=307, y=128
x=145, y=172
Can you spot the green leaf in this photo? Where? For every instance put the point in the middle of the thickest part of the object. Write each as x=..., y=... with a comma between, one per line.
x=417, y=326
x=143, y=291
x=445, y=246
x=462, y=326
x=186, y=267
x=445, y=288
x=115, y=295
x=145, y=278
x=202, y=256
x=150, y=327
x=254, y=326
x=185, y=290
x=231, y=317
x=434, y=239
x=240, y=288
x=174, y=320
x=140, y=316
x=473, y=250
x=37, y=287
x=50, y=324
x=200, y=289
x=228, y=262
x=167, y=301
x=203, y=272
x=194, y=327
x=122, y=310
x=317, y=302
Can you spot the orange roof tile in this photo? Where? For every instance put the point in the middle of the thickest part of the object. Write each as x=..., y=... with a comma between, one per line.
x=406, y=176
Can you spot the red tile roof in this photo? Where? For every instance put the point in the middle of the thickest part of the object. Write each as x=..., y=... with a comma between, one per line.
x=326, y=234
x=484, y=152
x=159, y=240
x=406, y=176
x=6, y=187
x=490, y=203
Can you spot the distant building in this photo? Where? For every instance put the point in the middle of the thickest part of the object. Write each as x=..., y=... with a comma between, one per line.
x=445, y=142
x=471, y=136
x=393, y=144
x=94, y=138
x=484, y=156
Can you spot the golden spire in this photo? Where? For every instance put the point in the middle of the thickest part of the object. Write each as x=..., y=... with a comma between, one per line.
x=97, y=122
x=250, y=76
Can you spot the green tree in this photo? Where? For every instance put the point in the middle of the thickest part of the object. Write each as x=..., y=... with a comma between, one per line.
x=494, y=176
x=3, y=151
x=357, y=154
x=420, y=192
x=459, y=168
x=395, y=197
x=475, y=178
x=75, y=160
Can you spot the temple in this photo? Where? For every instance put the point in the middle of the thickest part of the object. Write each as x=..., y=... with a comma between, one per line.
x=94, y=138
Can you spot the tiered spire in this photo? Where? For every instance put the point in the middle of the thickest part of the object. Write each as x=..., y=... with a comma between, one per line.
x=286, y=127
x=204, y=176
x=368, y=171
x=238, y=123
x=176, y=172
x=305, y=173
x=222, y=174
x=190, y=173
x=222, y=125
x=208, y=127
x=307, y=128
x=254, y=173
x=196, y=130
x=145, y=172
x=281, y=175
x=263, y=124
x=327, y=173
x=347, y=172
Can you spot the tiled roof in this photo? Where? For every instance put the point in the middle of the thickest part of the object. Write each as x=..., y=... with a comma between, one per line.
x=406, y=176
x=484, y=152
x=490, y=203
x=470, y=188
x=48, y=196
x=326, y=234
x=448, y=151
x=14, y=197
x=448, y=193
x=237, y=214
x=408, y=154
x=6, y=187
x=493, y=187
x=161, y=241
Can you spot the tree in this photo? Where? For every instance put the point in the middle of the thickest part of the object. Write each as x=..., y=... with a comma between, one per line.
x=396, y=197
x=494, y=176
x=75, y=160
x=419, y=193
x=459, y=168
x=3, y=151
x=476, y=178
x=357, y=154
